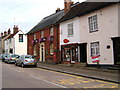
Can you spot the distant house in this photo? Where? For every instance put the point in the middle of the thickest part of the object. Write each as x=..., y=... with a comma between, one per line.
x=2, y=39
x=16, y=43
x=43, y=39
x=91, y=29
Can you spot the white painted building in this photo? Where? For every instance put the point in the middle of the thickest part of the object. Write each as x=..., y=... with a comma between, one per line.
x=95, y=31
x=16, y=43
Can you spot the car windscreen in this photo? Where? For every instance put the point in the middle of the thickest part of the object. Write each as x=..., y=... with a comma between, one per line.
x=29, y=57
x=15, y=56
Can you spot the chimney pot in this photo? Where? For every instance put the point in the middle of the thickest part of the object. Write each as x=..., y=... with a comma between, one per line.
x=67, y=5
x=5, y=33
x=58, y=9
x=15, y=28
x=1, y=34
x=9, y=31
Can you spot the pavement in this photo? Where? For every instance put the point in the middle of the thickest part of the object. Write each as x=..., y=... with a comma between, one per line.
x=89, y=72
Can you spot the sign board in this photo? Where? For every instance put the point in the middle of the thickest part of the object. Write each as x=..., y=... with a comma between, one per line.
x=95, y=59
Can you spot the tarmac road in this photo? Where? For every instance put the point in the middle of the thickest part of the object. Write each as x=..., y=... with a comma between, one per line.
x=28, y=77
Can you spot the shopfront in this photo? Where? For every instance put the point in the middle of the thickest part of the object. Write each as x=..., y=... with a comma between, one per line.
x=69, y=53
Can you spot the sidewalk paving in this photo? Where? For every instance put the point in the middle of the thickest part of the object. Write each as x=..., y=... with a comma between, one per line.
x=94, y=73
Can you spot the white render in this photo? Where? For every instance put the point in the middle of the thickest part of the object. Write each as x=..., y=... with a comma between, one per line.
x=108, y=27
x=19, y=48
x=64, y=33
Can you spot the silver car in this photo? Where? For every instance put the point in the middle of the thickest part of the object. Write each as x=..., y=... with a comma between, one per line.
x=26, y=60
x=12, y=58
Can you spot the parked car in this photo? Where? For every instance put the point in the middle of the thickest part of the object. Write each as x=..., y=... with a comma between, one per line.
x=12, y=58
x=26, y=60
x=1, y=56
x=5, y=57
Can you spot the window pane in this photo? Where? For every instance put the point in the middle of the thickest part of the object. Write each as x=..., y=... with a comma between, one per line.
x=70, y=29
x=20, y=38
x=51, y=49
x=95, y=49
x=93, y=25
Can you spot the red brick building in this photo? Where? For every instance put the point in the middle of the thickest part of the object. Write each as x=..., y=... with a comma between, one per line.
x=43, y=39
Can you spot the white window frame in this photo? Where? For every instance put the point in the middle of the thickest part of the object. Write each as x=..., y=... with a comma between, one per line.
x=51, y=49
x=95, y=48
x=70, y=29
x=93, y=23
x=51, y=31
x=42, y=34
x=34, y=36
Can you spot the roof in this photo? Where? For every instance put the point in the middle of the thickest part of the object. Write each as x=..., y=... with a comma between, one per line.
x=12, y=35
x=84, y=8
x=48, y=21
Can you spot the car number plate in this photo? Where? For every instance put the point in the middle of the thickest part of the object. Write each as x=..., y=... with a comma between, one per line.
x=31, y=63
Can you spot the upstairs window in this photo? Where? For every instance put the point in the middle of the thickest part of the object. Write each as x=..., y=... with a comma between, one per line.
x=42, y=34
x=51, y=31
x=70, y=29
x=35, y=36
x=93, y=24
x=20, y=37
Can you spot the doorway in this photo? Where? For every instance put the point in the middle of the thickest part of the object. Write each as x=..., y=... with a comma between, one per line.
x=42, y=52
x=83, y=53
x=116, y=47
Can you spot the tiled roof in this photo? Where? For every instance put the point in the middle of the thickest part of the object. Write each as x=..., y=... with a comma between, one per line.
x=84, y=8
x=47, y=21
x=12, y=35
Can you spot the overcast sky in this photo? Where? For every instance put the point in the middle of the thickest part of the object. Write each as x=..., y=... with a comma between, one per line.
x=26, y=13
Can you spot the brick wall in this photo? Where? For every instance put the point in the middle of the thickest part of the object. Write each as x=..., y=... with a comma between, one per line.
x=56, y=40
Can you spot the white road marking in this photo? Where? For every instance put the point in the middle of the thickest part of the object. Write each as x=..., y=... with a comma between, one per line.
x=48, y=81
x=14, y=69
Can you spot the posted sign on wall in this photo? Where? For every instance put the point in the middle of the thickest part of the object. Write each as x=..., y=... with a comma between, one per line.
x=95, y=59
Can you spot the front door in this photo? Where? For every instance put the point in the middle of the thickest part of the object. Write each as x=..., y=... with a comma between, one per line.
x=83, y=53
x=42, y=52
x=116, y=46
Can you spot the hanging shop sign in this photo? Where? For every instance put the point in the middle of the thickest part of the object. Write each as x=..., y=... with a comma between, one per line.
x=65, y=40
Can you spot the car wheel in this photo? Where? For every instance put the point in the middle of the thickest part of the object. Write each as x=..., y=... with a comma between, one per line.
x=8, y=62
x=23, y=65
x=15, y=64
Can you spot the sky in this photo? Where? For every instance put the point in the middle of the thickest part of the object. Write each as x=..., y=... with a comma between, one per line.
x=26, y=13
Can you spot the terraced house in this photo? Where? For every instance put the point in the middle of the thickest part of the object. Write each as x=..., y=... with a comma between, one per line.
x=4, y=36
x=16, y=43
x=43, y=39
x=89, y=30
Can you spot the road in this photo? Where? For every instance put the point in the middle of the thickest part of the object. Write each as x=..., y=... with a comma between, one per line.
x=29, y=77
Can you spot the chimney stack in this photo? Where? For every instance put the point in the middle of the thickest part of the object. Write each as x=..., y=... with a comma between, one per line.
x=67, y=5
x=58, y=9
x=1, y=34
x=15, y=29
x=9, y=31
x=5, y=33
